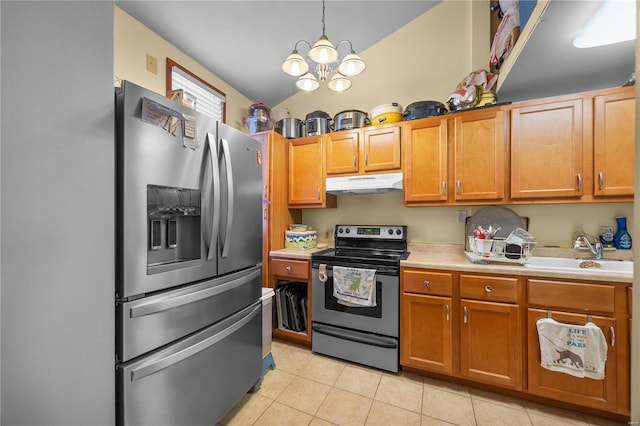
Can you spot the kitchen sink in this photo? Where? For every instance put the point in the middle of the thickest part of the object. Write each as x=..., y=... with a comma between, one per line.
x=586, y=265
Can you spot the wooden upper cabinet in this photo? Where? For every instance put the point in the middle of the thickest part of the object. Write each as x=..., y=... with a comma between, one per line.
x=613, y=143
x=343, y=149
x=547, y=142
x=479, y=145
x=425, y=160
x=307, y=173
x=381, y=146
x=370, y=149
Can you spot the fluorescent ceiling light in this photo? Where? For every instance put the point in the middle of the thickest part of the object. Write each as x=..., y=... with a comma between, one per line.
x=613, y=22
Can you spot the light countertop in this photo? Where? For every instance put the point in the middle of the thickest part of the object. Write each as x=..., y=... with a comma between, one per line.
x=451, y=257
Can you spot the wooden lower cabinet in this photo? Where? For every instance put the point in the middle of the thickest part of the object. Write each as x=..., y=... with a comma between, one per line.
x=491, y=330
x=491, y=343
x=481, y=328
x=285, y=270
x=427, y=340
x=426, y=331
x=600, y=394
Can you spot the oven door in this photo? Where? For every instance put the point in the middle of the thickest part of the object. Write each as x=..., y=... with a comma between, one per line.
x=382, y=319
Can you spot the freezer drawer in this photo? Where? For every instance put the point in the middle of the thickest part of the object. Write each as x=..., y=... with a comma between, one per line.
x=151, y=322
x=197, y=380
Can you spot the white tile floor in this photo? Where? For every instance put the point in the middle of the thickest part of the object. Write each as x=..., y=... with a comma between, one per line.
x=311, y=389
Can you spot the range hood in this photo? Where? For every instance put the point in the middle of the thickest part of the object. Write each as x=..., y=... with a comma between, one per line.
x=364, y=184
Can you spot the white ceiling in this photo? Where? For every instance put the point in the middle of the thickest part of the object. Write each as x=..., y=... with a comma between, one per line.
x=245, y=42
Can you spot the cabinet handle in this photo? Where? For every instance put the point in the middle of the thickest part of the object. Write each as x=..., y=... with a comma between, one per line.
x=446, y=309
x=601, y=180
x=426, y=283
x=464, y=311
x=355, y=159
x=488, y=288
x=288, y=268
x=458, y=187
x=318, y=193
x=265, y=214
x=444, y=188
x=579, y=181
x=613, y=336
x=366, y=159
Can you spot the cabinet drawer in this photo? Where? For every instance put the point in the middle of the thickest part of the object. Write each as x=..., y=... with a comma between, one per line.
x=424, y=282
x=496, y=289
x=571, y=295
x=290, y=268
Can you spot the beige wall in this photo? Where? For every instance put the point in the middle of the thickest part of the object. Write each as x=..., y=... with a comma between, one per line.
x=550, y=225
x=133, y=41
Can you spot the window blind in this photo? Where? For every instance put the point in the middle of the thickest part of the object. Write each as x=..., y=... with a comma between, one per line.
x=208, y=101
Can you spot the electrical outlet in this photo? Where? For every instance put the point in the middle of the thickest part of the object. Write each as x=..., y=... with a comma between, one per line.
x=461, y=217
x=152, y=64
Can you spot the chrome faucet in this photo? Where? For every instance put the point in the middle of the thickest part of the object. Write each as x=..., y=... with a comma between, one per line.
x=595, y=248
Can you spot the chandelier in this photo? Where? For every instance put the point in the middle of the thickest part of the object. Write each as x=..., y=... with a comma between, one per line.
x=323, y=58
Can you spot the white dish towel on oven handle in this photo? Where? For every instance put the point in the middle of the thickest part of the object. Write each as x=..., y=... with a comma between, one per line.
x=354, y=286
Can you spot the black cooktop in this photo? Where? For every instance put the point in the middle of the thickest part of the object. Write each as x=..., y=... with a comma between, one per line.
x=379, y=247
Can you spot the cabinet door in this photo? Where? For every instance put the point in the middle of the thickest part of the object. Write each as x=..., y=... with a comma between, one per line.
x=425, y=161
x=599, y=394
x=491, y=343
x=479, y=139
x=425, y=332
x=306, y=165
x=342, y=152
x=546, y=150
x=381, y=147
x=613, y=143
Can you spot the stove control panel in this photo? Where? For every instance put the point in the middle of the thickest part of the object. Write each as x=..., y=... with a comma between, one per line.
x=379, y=232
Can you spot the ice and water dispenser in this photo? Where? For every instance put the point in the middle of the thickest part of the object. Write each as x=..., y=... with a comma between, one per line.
x=173, y=216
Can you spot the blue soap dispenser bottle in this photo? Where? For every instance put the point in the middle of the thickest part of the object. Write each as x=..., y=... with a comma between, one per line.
x=622, y=239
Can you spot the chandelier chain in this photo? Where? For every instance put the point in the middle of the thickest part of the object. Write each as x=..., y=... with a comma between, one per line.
x=323, y=17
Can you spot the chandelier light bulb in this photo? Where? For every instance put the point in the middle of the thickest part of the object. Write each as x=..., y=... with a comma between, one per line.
x=323, y=52
x=308, y=82
x=295, y=65
x=351, y=65
x=339, y=83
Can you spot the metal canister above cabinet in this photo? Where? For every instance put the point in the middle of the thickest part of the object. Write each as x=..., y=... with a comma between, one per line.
x=350, y=119
x=317, y=123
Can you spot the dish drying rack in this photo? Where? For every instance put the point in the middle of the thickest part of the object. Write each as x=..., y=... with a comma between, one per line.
x=516, y=248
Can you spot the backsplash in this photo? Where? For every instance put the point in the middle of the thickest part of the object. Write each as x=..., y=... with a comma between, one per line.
x=550, y=224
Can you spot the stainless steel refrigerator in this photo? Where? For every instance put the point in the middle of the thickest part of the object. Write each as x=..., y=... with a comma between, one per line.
x=189, y=271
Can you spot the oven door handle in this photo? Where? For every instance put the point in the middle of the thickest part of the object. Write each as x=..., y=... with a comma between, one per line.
x=371, y=340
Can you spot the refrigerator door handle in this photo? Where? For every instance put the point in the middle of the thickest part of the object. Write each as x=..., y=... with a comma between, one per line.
x=212, y=236
x=170, y=302
x=230, y=196
x=176, y=357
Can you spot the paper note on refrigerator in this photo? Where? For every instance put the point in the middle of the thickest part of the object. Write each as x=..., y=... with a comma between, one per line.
x=190, y=139
x=155, y=113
